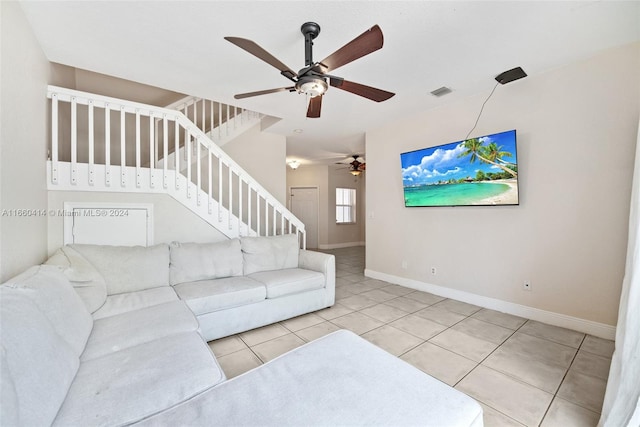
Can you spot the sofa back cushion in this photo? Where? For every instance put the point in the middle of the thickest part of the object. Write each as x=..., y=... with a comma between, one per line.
x=54, y=297
x=266, y=253
x=129, y=268
x=83, y=276
x=191, y=262
x=37, y=365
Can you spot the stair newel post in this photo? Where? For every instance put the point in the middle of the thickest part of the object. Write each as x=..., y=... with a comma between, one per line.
x=274, y=219
x=258, y=217
x=176, y=152
x=74, y=141
x=281, y=222
x=187, y=144
x=249, y=196
x=138, y=183
x=239, y=203
x=230, y=196
x=198, y=171
x=123, y=148
x=153, y=144
x=54, y=138
x=91, y=135
x=107, y=145
x=219, y=189
x=165, y=151
x=210, y=187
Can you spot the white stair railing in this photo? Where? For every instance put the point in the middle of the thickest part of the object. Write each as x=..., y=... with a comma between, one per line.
x=220, y=122
x=100, y=143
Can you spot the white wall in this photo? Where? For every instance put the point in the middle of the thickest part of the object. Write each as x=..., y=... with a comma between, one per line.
x=263, y=156
x=576, y=129
x=171, y=220
x=23, y=136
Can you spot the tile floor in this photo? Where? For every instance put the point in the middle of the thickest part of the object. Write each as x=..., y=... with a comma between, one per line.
x=523, y=373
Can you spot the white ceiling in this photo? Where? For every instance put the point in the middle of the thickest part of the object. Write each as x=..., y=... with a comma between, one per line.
x=179, y=45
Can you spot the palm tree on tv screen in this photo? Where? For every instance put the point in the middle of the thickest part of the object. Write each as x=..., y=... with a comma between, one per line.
x=488, y=154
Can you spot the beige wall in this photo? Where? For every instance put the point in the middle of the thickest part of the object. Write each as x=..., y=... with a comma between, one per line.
x=23, y=136
x=326, y=178
x=171, y=220
x=313, y=176
x=576, y=129
x=345, y=234
x=263, y=156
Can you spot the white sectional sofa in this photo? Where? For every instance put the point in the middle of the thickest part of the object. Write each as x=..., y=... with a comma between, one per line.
x=117, y=335
x=230, y=286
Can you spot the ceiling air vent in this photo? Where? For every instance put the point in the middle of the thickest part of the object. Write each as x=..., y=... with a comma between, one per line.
x=441, y=91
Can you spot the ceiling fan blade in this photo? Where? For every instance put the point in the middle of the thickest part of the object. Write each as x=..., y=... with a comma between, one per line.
x=369, y=92
x=315, y=104
x=367, y=42
x=257, y=51
x=264, y=92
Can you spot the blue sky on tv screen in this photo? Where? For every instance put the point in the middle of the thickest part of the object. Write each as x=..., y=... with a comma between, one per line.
x=442, y=163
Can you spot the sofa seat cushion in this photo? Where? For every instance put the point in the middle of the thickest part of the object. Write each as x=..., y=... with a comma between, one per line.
x=129, y=268
x=203, y=261
x=339, y=379
x=130, y=301
x=290, y=281
x=137, y=382
x=114, y=333
x=205, y=296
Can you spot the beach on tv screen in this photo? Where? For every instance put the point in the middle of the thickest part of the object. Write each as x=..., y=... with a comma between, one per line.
x=480, y=171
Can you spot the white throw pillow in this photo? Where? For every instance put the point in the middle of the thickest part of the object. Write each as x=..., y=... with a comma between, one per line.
x=87, y=281
x=191, y=262
x=54, y=296
x=39, y=363
x=270, y=253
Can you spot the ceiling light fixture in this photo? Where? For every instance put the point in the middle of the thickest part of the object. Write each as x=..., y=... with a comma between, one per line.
x=298, y=131
x=294, y=164
x=311, y=86
x=355, y=172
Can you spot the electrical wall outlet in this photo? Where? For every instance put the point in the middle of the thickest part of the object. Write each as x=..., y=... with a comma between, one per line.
x=404, y=264
x=433, y=271
x=527, y=285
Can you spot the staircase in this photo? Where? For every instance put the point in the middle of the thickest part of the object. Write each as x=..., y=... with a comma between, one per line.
x=100, y=143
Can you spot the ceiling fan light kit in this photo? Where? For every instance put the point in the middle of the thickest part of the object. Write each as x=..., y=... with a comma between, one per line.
x=312, y=79
x=294, y=164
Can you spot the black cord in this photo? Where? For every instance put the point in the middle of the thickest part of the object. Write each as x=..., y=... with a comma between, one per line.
x=480, y=113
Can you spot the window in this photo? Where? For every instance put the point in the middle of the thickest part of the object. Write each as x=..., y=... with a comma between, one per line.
x=345, y=206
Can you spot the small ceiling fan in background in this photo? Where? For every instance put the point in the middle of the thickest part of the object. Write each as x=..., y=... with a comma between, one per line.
x=312, y=79
x=357, y=164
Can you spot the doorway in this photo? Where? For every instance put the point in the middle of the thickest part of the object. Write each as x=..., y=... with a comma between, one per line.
x=303, y=202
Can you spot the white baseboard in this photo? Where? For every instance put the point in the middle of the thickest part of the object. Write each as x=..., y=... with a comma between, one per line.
x=600, y=330
x=341, y=245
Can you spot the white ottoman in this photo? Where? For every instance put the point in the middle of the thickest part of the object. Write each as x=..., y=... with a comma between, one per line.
x=340, y=379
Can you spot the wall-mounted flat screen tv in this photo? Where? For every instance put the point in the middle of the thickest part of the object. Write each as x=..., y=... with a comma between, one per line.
x=479, y=171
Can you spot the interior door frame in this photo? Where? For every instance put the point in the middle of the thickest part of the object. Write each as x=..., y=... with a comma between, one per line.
x=315, y=187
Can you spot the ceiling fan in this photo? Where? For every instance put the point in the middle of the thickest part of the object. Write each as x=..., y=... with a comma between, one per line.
x=356, y=166
x=312, y=79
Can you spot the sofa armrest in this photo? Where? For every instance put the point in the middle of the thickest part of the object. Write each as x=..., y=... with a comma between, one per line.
x=322, y=263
